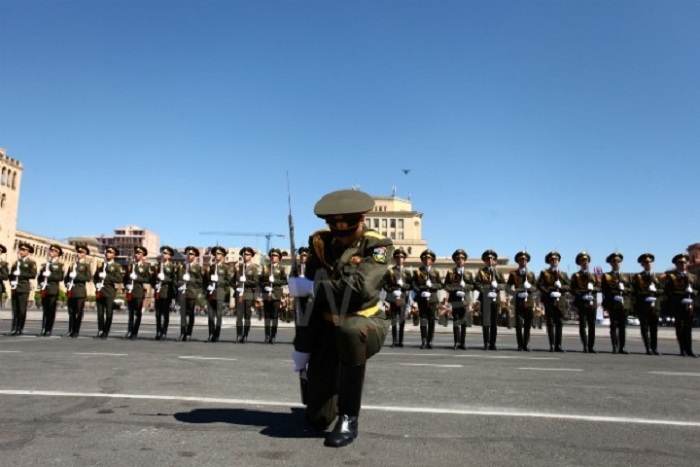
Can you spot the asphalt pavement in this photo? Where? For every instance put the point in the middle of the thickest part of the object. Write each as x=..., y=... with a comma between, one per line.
x=89, y=402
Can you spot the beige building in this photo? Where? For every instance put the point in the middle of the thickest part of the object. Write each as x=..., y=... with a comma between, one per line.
x=10, y=181
x=127, y=238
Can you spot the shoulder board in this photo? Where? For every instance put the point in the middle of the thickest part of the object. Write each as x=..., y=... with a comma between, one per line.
x=373, y=234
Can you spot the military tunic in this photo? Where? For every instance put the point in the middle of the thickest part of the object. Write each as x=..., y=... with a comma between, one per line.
x=524, y=299
x=554, y=307
x=490, y=304
x=164, y=283
x=584, y=288
x=646, y=291
x=136, y=276
x=247, y=280
x=397, y=284
x=272, y=279
x=77, y=294
x=616, y=291
x=459, y=284
x=107, y=276
x=426, y=281
x=49, y=277
x=680, y=303
x=218, y=281
x=190, y=287
x=22, y=272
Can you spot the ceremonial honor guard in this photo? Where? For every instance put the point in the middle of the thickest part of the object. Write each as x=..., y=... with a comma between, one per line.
x=272, y=279
x=646, y=289
x=136, y=276
x=164, y=283
x=552, y=284
x=22, y=272
x=616, y=289
x=584, y=288
x=397, y=284
x=681, y=288
x=190, y=283
x=247, y=280
x=4, y=273
x=488, y=282
x=520, y=283
x=459, y=284
x=346, y=325
x=300, y=303
x=106, y=277
x=50, y=276
x=426, y=282
x=76, y=277
x=218, y=280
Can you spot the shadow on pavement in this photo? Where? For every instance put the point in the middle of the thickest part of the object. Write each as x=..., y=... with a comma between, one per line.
x=274, y=424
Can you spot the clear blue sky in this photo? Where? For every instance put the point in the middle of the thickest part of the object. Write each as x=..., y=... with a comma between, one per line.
x=540, y=124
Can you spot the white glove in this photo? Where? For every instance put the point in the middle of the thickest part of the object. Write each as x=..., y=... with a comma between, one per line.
x=239, y=290
x=46, y=273
x=492, y=294
x=425, y=294
x=399, y=282
x=186, y=277
x=652, y=287
x=13, y=284
x=242, y=278
x=428, y=283
x=129, y=288
x=619, y=298
x=300, y=360
x=133, y=276
x=621, y=286
x=590, y=286
x=268, y=289
x=555, y=294
x=522, y=295
x=587, y=298
x=494, y=284
x=182, y=288
x=557, y=284
x=211, y=287
x=396, y=293
x=102, y=275
x=687, y=301
x=161, y=276
x=689, y=289
x=214, y=277
x=460, y=294
x=650, y=299
x=299, y=287
x=527, y=285
x=73, y=275
x=17, y=272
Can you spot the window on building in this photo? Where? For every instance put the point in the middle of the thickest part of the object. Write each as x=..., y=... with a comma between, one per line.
x=393, y=236
x=376, y=223
x=400, y=235
x=392, y=223
x=400, y=223
x=384, y=223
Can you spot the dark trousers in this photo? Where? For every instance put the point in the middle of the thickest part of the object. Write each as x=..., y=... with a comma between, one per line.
x=243, y=315
x=618, y=327
x=75, y=314
x=523, y=323
x=214, y=317
x=427, y=312
x=489, y=324
x=187, y=316
x=162, y=316
x=553, y=316
x=459, y=323
x=684, y=330
x=19, y=310
x=135, y=312
x=398, y=323
x=586, y=322
x=105, y=313
x=648, y=325
x=48, y=306
x=271, y=309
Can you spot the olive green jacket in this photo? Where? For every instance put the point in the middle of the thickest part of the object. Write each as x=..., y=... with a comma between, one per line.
x=50, y=284
x=76, y=286
x=113, y=275
x=279, y=279
x=27, y=272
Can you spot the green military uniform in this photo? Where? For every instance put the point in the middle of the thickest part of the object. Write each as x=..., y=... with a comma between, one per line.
x=136, y=276
x=553, y=284
x=681, y=288
x=616, y=291
x=646, y=290
x=584, y=288
x=190, y=283
x=489, y=281
x=76, y=277
x=426, y=282
x=22, y=272
x=164, y=283
x=247, y=282
x=50, y=276
x=218, y=280
x=272, y=279
x=459, y=284
x=4, y=274
x=397, y=285
x=106, y=278
x=346, y=326
x=521, y=283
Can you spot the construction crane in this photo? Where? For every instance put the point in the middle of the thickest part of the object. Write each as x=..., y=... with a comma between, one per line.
x=267, y=235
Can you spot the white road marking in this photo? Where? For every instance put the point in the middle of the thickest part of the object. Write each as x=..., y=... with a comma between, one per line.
x=506, y=357
x=102, y=354
x=673, y=373
x=551, y=369
x=194, y=357
x=415, y=410
x=431, y=365
x=10, y=351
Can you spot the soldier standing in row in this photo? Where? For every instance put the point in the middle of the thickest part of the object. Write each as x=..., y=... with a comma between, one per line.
x=520, y=283
x=4, y=273
x=190, y=283
x=646, y=288
x=248, y=278
x=106, y=278
x=76, y=278
x=218, y=281
x=584, y=289
x=138, y=275
x=397, y=284
x=681, y=288
x=426, y=282
x=272, y=279
x=164, y=282
x=488, y=282
x=552, y=283
x=616, y=289
x=459, y=284
x=346, y=326
x=50, y=276
x=300, y=303
x=22, y=272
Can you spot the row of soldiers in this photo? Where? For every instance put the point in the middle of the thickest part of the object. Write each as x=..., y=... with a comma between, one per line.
x=621, y=293
x=188, y=283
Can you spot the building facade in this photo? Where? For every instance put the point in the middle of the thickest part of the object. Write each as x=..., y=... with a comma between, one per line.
x=10, y=182
x=125, y=239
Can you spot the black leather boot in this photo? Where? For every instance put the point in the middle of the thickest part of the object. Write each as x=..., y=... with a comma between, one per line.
x=351, y=381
